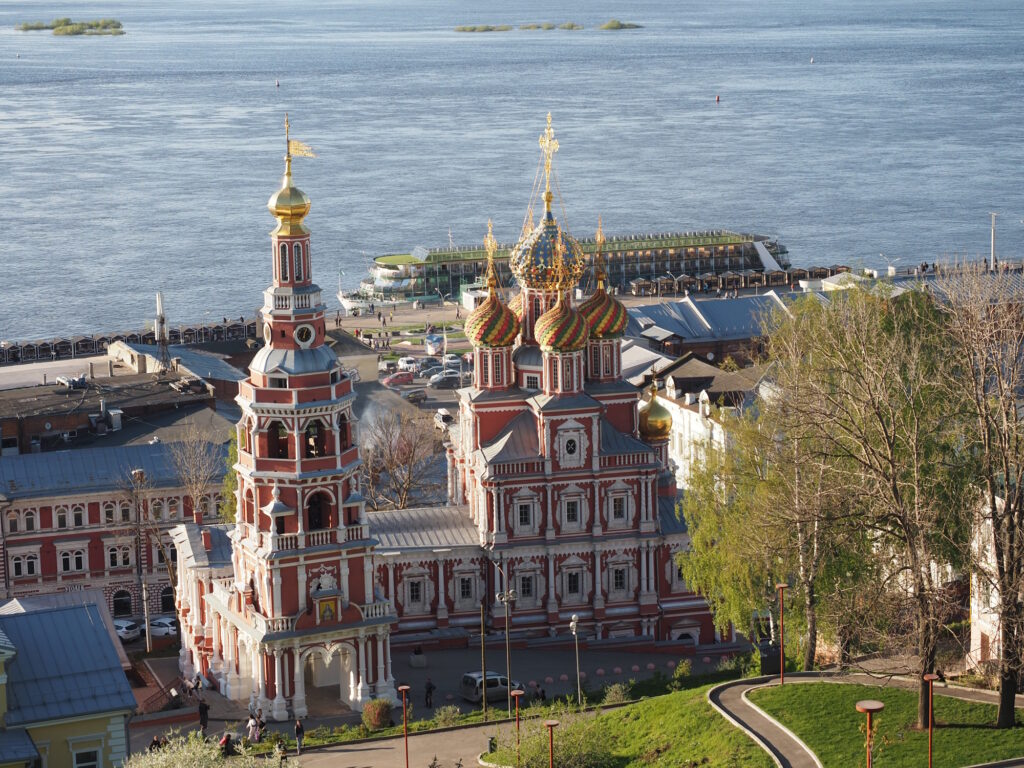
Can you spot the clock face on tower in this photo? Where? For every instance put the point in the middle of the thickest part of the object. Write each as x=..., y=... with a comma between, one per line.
x=304, y=335
x=267, y=333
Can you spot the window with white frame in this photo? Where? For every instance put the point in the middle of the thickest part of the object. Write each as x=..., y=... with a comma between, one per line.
x=13, y=522
x=572, y=583
x=126, y=512
x=109, y=512
x=619, y=581
x=618, y=508
x=78, y=515
x=156, y=510
x=416, y=592
x=497, y=369
x=572, y=512
x=525, y=512
x=484, y=368
x=119, y=556
x=465, y=588
x=60, y=517
x=72, y=560
x=23, y=566
x=532, y=381
x=30, y=520
x=526, y=587
x=88, y=758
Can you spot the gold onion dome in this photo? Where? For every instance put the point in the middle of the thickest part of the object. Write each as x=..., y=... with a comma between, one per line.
x=655, y=419
x=606, y=317
x=561, y=328
x=492, y=324
x=289, y=204
x=516, y=305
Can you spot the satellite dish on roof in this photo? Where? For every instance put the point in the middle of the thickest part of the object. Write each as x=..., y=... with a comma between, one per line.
x=711, y=355
x=420, y=252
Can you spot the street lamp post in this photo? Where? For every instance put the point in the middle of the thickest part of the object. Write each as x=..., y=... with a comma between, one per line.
x=869, y=707
x=573, y=625
x=506, y=596
x=551, y=725
x=405, y=721
x=516, y=694
x=930, y=678
x=782, y=634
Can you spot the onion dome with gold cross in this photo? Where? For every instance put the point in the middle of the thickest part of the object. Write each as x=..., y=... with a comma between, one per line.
x=606, y=317
x=289, y=204
x=655, y=421
x=492, y=324
x=532, y=259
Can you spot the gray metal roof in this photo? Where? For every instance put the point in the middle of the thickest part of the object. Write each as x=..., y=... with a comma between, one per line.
x=670, y=522
x=89, y=470
x=198, y=363
x=16, y=746
x=423, y=528
x=65, y=666
x=693, y=320
x=219, y=554
x=564, y=402
x=294, y=361
x=528, y=355
x=517, y=442
x=614, y=442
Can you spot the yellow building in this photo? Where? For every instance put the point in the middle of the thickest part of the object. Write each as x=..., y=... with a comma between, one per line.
x=64, y=699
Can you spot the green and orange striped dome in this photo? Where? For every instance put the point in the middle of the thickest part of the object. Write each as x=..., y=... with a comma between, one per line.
x=516, y=305
x=492, y=324
x=605, y=316
x=561, y=328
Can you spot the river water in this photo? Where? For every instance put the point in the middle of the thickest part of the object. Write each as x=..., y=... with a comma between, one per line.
x=144, y=162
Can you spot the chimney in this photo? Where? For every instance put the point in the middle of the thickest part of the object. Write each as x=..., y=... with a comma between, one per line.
x=207, y=541
x=103, y=408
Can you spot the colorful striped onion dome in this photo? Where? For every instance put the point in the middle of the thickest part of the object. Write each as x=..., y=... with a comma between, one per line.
x=492, y=324
x=516, y=305
x=546, y=256
x=561, y=328
x=605, y=316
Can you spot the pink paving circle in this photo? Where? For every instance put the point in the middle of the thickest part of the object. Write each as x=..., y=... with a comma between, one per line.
x=636, y=668
x=549, y=680
x=564, y=678
x=670, y=664
x=600, y=672
x=706, y=659
x=650, y=666
x=617, y=670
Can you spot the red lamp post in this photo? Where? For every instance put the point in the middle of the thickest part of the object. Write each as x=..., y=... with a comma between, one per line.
x=515, y=695
x=869, y=707
x=931, y=678
x=551, y=724
x=782, y=633
x=405, y=722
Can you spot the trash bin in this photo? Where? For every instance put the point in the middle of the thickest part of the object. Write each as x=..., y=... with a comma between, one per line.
x=769, y=653
x=492, y=744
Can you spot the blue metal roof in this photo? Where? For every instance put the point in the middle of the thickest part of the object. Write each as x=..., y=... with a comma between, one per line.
x=16, y=746
x=65, y=666
x=88, y=470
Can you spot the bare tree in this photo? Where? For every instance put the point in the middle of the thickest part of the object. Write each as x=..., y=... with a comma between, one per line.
x=399, y=455
x=137, y=488
x=198, y=463
x=982, y=313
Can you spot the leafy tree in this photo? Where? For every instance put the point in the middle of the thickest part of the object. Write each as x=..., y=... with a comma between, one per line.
x=227, y=508
x=193, y=751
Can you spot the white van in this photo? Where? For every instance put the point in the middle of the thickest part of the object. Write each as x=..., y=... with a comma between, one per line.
x=497, y=686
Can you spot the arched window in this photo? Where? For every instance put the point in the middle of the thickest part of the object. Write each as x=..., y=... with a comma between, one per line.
x=12, y=522
x=156, y=510
x=277, y=441
x=297, y=250
x=109, y=511
x=318, y=512
x=284, y=262
x=30, y=520
x=65, y=562
x=62, y=517
x=497, y=370
x=79, y=560
x=126, y=512
x=344, y=436
x=78, y=513
x=315, y=440
x=173, y=509
x=167, y=600
x=122, y=603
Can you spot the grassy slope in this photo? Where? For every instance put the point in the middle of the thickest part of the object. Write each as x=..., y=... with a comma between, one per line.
x=679, y=729
x=824, y=716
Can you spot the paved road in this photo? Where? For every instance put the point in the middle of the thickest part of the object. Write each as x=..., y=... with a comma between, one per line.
x=789, y=752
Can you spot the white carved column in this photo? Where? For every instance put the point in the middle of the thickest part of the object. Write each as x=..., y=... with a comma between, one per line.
x=298, y=683
x=552, y=605
x=598, y=587
x=303, y=597
x=275, y=581
x=391, y=585
x=367, y=580
x=442, y=590
x=280, y=709
x=387, y=661
x=381, y=682
x=642, y=552
x=259, y=670
x=216, y=662
x=343, y=581
x=364, y=689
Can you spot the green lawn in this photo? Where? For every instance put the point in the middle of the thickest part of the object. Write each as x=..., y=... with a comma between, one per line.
x=824, y=716
x=678, y=729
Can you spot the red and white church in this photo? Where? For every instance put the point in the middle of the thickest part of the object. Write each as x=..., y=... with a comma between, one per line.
x=561, y=499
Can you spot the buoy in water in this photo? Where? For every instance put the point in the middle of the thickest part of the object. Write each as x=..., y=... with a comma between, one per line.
x=277, y=83
x=812, y=59
x=717, y=99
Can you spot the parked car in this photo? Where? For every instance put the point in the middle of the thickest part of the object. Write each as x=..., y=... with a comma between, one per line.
x=497, y=686
x=446, y=374
x=407, y=363
x=428, y=373
x=427, y=362
x=453, y=360
x=127, y=630
x=402, y=377
x=445, y=382
x=387, y=366
x=415, y=395
x=442, y=419
x=162, y=626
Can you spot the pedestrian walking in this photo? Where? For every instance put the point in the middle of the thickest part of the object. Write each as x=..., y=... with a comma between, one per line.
x=204, y=715
x=299, y=733
x=428, y=693
x=155, y=744
x=253, y=729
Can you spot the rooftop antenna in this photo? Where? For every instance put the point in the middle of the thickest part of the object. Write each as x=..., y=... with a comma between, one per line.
x=992, y=251
x=160, y=332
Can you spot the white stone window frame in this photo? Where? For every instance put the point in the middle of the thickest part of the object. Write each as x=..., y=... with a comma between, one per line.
x=61, y=510
x=20, y=518
x=422, y=576
x=533, y=500
x=619, y=490
x=672, y=576
x=119, y=544
x=532, y=571
x=24, y=552
x=578, y=495
x=76, y=510
x=572, y=430
x=574, y=565
x=626, y=563
x=72, y=547
x=475, y=590
x=531, y=385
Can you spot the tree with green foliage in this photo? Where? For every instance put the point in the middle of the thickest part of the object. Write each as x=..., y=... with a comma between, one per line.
x=229, y=486
x=195, y=752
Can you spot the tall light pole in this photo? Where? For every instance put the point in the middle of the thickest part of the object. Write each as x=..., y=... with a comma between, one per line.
x=992, y=251
x=782, y=633
x=483, y=657
x=506, y=596
x=869, y=707
x=516, y=694
x=573, y=625
x=405, y=720
x=930, y=678
x=551, y=725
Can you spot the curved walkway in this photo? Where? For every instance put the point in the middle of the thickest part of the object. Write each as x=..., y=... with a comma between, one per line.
x=784, y=747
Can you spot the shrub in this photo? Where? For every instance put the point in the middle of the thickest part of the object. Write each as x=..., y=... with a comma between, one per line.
x=447, y=715
x=616, y=24
x=193, y=751
x=377, y=714
x=570, y=25
x=680, y=674
x=582, y=742
x=616, y=693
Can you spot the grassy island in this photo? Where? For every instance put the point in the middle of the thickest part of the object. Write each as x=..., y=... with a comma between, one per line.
x=545, y=25
x=616, y=24
x=66, y=26
x=570, y=25
x=484, y=28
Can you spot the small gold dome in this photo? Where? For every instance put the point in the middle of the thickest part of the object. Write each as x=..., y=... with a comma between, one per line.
x=289, y=204
x=655, y=419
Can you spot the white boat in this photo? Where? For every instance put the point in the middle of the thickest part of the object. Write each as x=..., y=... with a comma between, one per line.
x=351, y=301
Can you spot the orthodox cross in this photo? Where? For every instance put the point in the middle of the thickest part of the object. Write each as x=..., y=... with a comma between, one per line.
x=491, y=245
x=548, y=145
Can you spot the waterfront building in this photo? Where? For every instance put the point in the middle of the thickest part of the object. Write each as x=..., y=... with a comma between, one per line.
x=96, y=518
x=284, y=598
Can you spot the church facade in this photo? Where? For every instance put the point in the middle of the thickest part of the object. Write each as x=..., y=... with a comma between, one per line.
x=561, y=494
